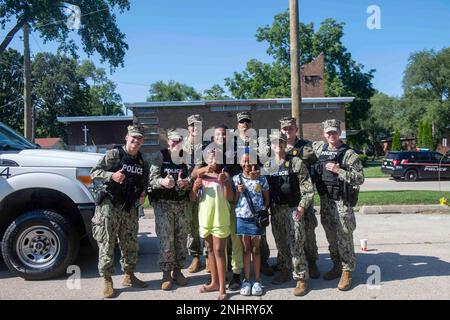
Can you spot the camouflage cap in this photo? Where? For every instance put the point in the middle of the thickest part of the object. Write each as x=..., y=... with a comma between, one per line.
x=244, y=115
x=194, y=118
x=136, y=131
x=173, y=134
x=332, y=125
x=277, y=135
x=288, y=121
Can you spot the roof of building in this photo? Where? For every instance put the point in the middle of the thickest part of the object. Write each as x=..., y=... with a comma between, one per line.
x=47, y=142
x=94, y=118
x=196, y=103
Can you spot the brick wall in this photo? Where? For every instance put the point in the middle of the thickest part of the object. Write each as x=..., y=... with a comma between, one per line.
x=175, y=117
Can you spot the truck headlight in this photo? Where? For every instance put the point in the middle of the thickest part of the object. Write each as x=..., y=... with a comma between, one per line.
x=84, y=176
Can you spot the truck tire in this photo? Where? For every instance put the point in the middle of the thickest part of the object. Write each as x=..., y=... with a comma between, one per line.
x=39, y=245
x=411, y=175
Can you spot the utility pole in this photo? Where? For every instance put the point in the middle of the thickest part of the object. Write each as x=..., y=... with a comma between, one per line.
x=28, y=110
x=295, y=66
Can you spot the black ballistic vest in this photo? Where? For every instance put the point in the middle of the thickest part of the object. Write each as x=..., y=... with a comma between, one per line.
x=284, y=185
x=129, y=191
x=327, y=182
x=168, y=167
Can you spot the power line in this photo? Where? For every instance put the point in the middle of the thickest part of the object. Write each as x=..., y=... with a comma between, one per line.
x=11, y=102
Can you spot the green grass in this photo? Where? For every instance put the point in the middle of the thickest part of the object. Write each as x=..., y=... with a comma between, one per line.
x=373, y=170
x=380, y=198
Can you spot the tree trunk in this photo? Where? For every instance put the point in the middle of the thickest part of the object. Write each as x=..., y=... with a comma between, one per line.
x=11, y=34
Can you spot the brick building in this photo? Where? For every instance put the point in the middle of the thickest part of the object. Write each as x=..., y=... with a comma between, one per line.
x=157, y=117
x=101, y=133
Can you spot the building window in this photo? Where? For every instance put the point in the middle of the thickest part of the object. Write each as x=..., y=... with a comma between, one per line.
x=151, y=142
x=444, y=142
x=148, y=120
x=145, y=112
x=231, y=108
x=321, y=106
x=281, y=106
x=152, y=131
x=312, y=79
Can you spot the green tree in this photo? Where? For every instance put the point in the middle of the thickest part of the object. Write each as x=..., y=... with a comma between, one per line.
x=343, y=76
x=381, y=119
x=426, y=85
x=59, y=90
x=428, y=136
x=103, y=98
x=172, y=91
x=11, y=89
x=420, y=134
x=98, y=32
x=396, y=146
x=216, y=92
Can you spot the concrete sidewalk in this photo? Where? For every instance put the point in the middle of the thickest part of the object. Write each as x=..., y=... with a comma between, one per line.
x=409, y=253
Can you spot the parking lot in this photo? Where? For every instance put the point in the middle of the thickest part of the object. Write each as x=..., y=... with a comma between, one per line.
x=408, y=253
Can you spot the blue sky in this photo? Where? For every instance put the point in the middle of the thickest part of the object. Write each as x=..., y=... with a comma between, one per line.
x=201, y=42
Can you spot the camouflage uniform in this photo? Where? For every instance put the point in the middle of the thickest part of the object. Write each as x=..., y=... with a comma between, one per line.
x=172, y=220
x=194, y=242
x=306, y=153
x=111, y=222
x=290, y=235
x=337, y=219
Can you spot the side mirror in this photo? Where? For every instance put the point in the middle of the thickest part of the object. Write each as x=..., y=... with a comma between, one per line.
x=448, y=153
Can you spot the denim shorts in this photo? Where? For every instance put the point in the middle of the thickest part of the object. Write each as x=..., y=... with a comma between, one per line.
x=248, y=227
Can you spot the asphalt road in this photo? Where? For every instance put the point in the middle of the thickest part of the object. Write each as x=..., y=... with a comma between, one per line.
x=374, y=184
x=411, y=253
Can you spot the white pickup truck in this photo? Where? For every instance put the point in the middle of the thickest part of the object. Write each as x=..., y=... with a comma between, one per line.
x=46, y=206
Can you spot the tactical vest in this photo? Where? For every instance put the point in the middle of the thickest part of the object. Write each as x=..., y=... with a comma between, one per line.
x=128, y=192
x=168, y=167
x=297, y=151
x=328, y=182
x=284, y=185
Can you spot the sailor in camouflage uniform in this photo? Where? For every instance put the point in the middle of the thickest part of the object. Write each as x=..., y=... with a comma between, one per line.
x=169, y=186
x=192, y=146
x=303, y=148
x=121, y=177
x=291, y=193
x=339, y=175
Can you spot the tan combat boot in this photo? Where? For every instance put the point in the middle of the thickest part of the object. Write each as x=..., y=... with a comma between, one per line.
x=130, y=280
x=195, y=266
x=166, y=282
x=334, y=273
x=207, y=266
x=282, y=277
x=179, y=278
x=346, y=281
x=301, y=288
x=313, y=270
x=108, y=290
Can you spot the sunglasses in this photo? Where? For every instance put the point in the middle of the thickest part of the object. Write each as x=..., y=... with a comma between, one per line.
x=245, y=121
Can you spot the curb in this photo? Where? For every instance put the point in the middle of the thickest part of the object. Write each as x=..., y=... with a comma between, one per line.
x=404, y=209
x=388, y=209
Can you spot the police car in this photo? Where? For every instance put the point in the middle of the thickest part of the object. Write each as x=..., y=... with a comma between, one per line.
x=414, y=165
x=46, y=204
